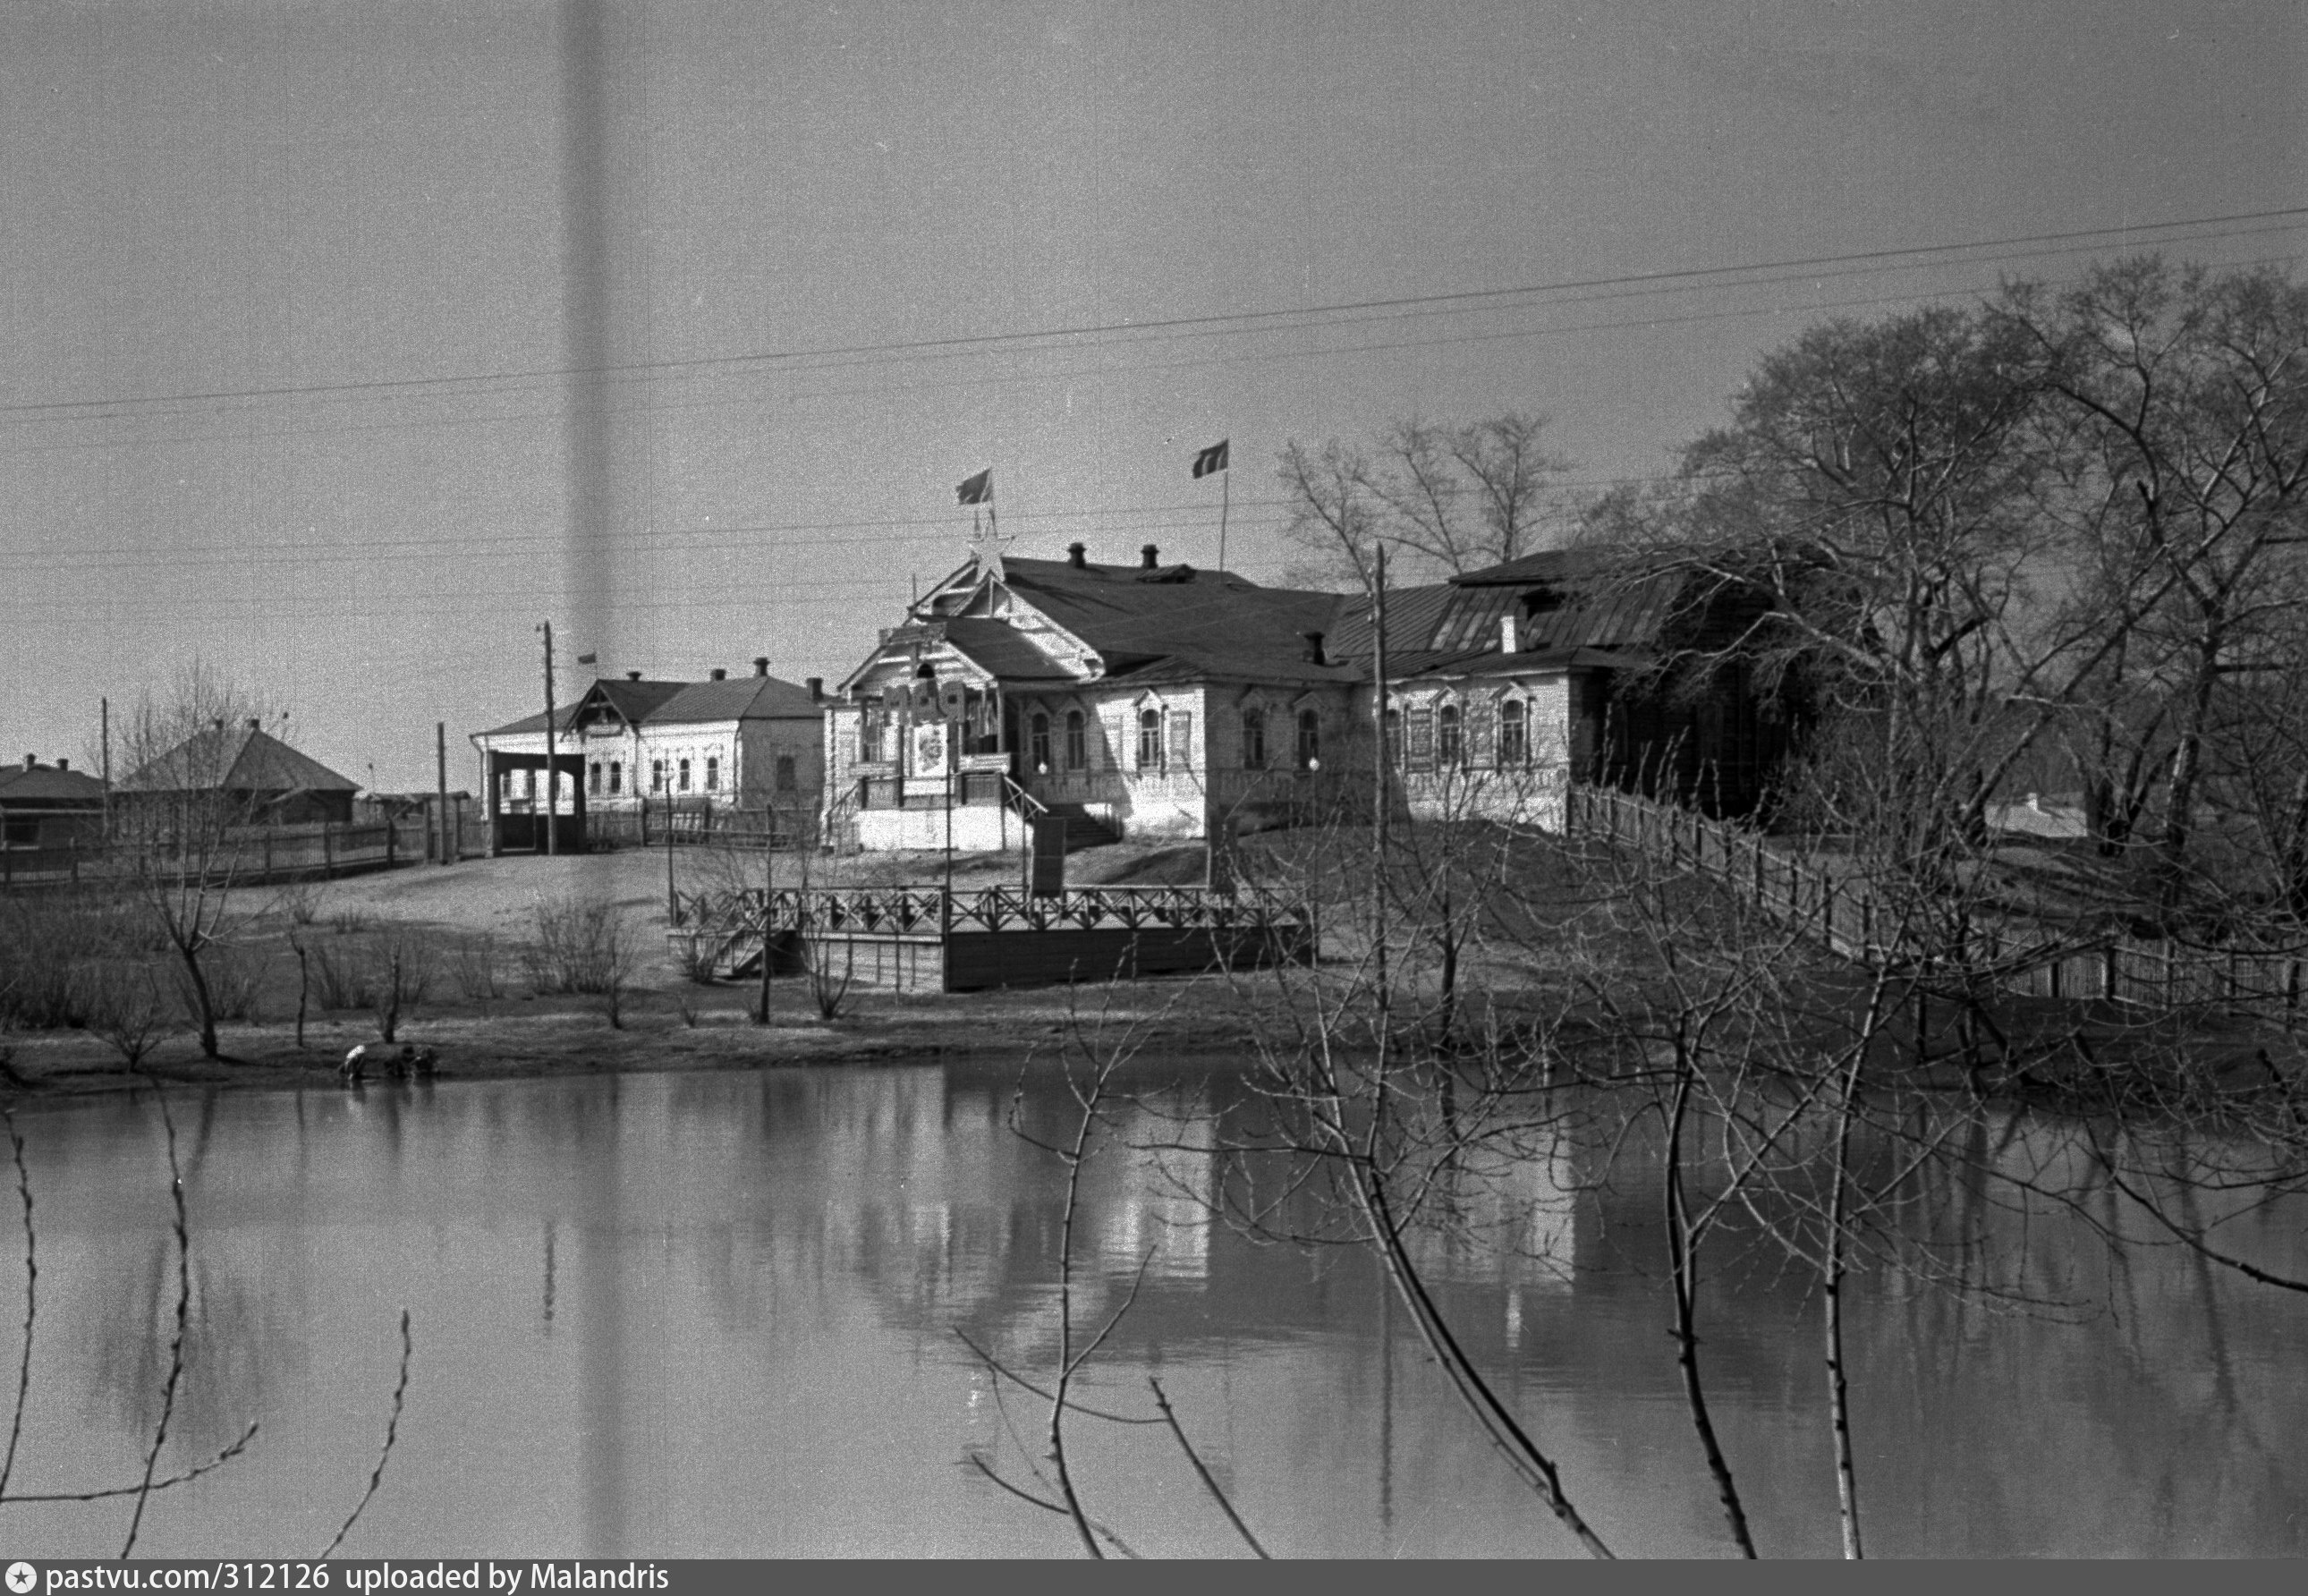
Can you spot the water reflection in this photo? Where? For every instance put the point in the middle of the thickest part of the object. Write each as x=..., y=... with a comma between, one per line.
x=716, y=1314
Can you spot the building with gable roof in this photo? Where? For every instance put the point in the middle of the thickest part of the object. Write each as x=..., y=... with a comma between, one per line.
x=1154, y=700
x=722, y=744
x=1145, y=700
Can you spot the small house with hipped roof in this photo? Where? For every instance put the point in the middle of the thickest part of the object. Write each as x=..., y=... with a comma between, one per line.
x=49, y=805
x=257, y=779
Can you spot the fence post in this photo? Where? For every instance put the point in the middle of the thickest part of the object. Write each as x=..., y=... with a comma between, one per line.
x=328, y=852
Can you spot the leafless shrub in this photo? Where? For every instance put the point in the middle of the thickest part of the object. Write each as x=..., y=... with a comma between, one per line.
x=348, y=922
x=402, y=967
x=130, y=1012
x=45, y=947
x=300, y=901
x=694, y=955
x=340, y=975
x=580, y=946
x=829, y=986
x=476, y=967
x=235, y=977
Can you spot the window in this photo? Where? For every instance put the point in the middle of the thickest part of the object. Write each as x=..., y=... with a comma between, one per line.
x=1310, y=739
x=1514, y=744
x=1149, y=739
x=1394, y=738
x=1037, y=741
x=712, y=774
x=684, y=775
x=1254, y=739
x=1077, y=741
x=616, y=777
x=1181, y=740
x=1420, y=725
x=593, y=778
x=1446, y=737
x=657, y=775
x=785, y=781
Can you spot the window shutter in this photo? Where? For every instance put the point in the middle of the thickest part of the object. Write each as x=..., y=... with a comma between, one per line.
x=1421, y=726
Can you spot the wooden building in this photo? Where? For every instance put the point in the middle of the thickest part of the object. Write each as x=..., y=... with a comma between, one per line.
x=49, y=805
x=257, y=779
x=725, y=744
x=1154, y=700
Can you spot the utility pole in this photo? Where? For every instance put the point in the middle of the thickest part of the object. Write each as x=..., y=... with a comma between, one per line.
x=448, y=853
x=1378, y=742
x=104, y=736
x=552, y=745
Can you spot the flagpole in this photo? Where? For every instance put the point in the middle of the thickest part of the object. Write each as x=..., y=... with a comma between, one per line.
x=1226, y=494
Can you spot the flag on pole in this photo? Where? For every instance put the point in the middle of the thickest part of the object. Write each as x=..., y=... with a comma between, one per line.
x=588, y=659
x=978, y=489
x=1212, y=459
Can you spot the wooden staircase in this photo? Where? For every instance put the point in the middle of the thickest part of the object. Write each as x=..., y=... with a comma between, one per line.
x=1083, y=829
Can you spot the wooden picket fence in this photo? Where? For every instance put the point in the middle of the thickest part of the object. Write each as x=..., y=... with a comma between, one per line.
x=1855, y=919
x=247, y=858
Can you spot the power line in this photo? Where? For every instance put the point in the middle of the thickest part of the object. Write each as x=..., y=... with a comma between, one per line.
x=1691, y=275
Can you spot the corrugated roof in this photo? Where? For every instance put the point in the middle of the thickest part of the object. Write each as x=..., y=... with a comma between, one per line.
x=236, y=759
x=1566, y=598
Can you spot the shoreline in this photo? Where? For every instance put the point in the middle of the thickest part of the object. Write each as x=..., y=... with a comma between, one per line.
x=521, y=1039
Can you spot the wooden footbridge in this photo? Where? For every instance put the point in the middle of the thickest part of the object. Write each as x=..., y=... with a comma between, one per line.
x=928, y=939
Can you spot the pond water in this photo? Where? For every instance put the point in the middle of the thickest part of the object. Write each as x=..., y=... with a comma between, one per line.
x=716, y=1314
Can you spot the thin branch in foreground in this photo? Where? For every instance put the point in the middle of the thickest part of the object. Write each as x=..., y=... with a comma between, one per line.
x=392, y=1432
x=1015, y=1378
x=978, y=1462
x=1163, y=1402
x=31, y=1303
x=193, y=1473
x=183, y=1314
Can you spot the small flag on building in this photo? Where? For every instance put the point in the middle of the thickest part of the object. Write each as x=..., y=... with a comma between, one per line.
x=1212, y=459
x=588, y=659
x=978, y=489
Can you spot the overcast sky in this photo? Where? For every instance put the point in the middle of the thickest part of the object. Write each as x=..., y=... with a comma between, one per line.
x=285, y=290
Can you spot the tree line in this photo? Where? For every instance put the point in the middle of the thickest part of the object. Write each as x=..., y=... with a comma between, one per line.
x=2048, y=543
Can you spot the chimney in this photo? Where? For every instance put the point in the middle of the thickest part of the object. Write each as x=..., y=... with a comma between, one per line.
x=816, y=686
x=1313, y=654
x=31, y=762
x=633, y=675
x=1507, y=639
x=761, y=665
x=254, y=724
x=1078, y=555
x=218, y=723
x=64, y=764
x=1149, y=556
x=718, y=674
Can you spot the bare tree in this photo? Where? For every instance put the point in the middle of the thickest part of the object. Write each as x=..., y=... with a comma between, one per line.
x=181, y=831
x=1443, y=498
